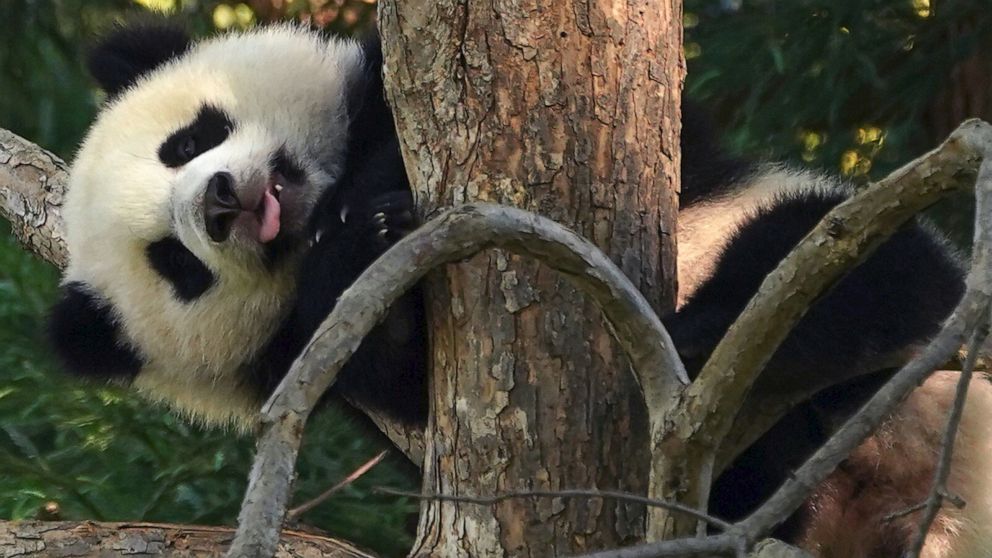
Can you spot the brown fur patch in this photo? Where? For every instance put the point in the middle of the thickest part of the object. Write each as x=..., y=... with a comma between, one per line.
x=892, y=471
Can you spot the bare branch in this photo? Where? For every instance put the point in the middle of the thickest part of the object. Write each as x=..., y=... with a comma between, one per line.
x=773, y=548
x=70, y=539
x=32, y=184
x=294, y=514
x=938, y=490
x=573, y=493
x=844, y=238
x=454, y=235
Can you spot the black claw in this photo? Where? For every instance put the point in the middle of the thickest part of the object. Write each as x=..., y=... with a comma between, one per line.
x=388, y=218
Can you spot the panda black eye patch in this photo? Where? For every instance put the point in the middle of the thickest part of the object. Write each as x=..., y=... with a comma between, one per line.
x=188, y=276
x=208, y=130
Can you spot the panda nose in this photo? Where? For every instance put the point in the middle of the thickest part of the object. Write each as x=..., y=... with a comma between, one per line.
x=220, y=206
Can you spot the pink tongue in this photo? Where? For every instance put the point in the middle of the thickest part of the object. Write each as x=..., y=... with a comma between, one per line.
x=269, y=218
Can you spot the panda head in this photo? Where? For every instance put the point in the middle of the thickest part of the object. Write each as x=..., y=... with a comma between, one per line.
x=189, y=199
x=224, y=145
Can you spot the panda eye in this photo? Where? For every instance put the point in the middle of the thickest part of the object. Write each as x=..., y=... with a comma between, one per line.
x=186, y=149
x=208, y=130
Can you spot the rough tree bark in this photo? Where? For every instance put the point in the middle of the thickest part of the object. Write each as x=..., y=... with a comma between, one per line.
x=32, y=183
x=569, y=110
x=64, y=539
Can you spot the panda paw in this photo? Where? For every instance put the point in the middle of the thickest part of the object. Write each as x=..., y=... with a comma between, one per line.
x=389, y=218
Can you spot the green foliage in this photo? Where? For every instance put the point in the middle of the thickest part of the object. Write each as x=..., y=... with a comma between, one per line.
x=43, y=92
x=840, y=84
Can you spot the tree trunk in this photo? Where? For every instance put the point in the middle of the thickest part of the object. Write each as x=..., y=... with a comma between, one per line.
x=968, y=92
x=58, y=539
x=570, y=110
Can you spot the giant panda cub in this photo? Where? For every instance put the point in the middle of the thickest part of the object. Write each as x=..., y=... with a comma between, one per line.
x=232, y=188
x=229, y=191
x=737, y=220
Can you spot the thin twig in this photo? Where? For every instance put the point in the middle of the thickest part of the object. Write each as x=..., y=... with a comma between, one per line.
x=904, y=512
x=570, y=493
x=294, y=514
x=938, y=489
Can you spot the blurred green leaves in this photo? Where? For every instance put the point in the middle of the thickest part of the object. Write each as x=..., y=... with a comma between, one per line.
x=859, y=76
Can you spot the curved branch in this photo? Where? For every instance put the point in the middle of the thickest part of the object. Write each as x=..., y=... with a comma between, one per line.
x=454, y=235
x=972, y=139
x=844, y=238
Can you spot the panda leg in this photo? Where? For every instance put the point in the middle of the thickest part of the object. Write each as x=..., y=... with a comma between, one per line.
x=388, y=371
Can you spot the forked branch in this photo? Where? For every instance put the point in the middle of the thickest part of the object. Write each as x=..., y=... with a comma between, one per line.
x=699, y=425
x=972, y=139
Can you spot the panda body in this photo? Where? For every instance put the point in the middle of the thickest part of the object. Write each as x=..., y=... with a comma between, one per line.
x=205, y=307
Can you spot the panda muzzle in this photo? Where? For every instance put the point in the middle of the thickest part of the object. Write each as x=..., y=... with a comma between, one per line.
x=222, y=207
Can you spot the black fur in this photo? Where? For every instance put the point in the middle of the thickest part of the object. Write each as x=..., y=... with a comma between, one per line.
x=208, y=130
x=388, y=372
x=706, y=169
x=132, y=51
x=188, y=276
x=86, y=337
x=285, y=165
x=894, y=300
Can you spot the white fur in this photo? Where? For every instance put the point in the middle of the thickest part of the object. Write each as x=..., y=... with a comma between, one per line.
x=704, y=227
x=281, y=86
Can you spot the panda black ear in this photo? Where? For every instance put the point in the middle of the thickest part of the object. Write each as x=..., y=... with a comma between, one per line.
x=87, y=338
x=133, y=50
